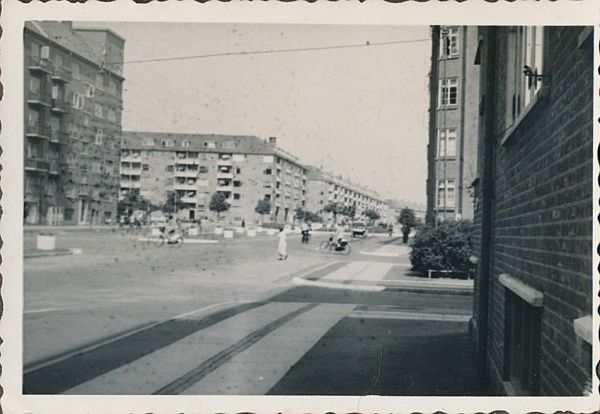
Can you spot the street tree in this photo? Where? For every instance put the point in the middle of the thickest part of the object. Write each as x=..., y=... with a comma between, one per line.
x=371, y=214
x=218, y=203
x=333, y=208
x=263, y=207
x=173, y=203
x=132, y=202
x=306, y=215
x=408, y=220
x=348, y=211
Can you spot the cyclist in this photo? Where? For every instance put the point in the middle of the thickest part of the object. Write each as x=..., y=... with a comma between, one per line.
x=338, y=238
x=172, y=229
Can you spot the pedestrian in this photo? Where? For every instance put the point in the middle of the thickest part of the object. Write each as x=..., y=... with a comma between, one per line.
x=282, y=246
x=243, y=223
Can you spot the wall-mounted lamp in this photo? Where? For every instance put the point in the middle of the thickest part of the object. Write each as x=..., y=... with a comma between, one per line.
x=533, y=77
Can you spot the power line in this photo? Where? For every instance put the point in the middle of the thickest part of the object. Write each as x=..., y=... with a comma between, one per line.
x=272, y=51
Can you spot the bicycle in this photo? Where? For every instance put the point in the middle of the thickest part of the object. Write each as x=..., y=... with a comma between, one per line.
x=175, y=239
x=329, y=246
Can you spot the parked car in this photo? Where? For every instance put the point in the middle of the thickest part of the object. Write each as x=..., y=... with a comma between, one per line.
x=359, y=229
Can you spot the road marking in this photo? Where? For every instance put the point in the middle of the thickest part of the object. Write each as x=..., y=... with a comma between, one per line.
x=201, y=371
x=409, y=316
x=389, y=250
x=259, y=368
x=167, y=363
x=55, y=374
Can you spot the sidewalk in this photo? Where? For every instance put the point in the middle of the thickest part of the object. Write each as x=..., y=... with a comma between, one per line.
x=379, y=276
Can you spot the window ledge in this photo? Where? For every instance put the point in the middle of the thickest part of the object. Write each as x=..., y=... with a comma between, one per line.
x=448, y=158
x=583, y=328
x=530, y=295
x=447, y=107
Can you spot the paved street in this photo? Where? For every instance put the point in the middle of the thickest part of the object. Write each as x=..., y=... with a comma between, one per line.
x=125, y=317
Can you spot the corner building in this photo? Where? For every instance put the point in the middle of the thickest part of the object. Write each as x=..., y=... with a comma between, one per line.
x=73, y=101
x=453, y=116
x=245, y=169
x=534, y=217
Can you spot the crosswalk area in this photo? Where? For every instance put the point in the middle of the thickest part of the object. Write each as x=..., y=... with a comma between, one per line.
x=244, y=348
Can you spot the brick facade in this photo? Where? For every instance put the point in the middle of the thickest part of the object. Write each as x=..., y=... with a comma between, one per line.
x=533, y=218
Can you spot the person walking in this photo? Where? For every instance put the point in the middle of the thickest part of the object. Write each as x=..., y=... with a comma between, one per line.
x=282, y=246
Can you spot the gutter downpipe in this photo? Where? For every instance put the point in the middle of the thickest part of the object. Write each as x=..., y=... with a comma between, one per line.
x=489, y=143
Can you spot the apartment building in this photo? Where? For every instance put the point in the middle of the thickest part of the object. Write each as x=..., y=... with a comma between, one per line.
x=73, y=101
x=534, y=218
x=323, y=188
x=245, y=169
x=453, y=115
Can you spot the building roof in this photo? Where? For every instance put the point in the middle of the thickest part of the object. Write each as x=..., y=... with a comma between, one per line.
x=243, y=144
x=318, y=174
x=63, y=34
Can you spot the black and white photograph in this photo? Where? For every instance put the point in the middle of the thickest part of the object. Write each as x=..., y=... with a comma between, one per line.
x=270, y=214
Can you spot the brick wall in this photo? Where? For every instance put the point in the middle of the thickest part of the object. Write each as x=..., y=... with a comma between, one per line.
x=542, y=213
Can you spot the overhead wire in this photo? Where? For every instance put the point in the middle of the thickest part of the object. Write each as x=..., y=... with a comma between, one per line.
x=270, y=51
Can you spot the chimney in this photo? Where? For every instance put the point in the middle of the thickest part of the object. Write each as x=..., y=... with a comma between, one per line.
x=273, y=141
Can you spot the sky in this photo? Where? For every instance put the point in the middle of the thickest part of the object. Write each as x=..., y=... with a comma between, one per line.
x=358, y=112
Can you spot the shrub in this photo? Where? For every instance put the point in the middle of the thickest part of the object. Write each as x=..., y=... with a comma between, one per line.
x=445, y=247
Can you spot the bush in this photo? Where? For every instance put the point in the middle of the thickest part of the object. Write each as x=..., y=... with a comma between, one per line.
x=445, y=247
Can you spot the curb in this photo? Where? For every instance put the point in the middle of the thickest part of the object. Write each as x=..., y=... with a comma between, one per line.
x=52, y=253
x=364, y=288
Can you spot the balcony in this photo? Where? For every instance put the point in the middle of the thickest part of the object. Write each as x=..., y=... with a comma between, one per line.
x=54, y=167
x=57, y=137
x=131, y=171
x=130, y=184
x=61, y=74
x=189, y=199
x=59, y=106
x=225, y=187
x=37, y=165
x=38, y=98
x=185, y=186
x=186, y=161
x=37, y=64
x=225, y=175
x=37, y=130
x=186, y=173
x=131, y=158
x=225, y=162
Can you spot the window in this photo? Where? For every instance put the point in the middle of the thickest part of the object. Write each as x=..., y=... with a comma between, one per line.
x=448, y=42
x=238, y=157
x=448, y=92
x=238, y=170
x=35, y=50
x=522, y=333
x=99, y=136
x=202, y=169
x=35, y=85
x=75, y=71
x=112, y=87
x=78, y=100
x=98, y=110
x=185, y=143
x=111, y=115
x=268, y=171
x=525, y=48
x=45, y=52
x=446, y=143
x=237, y=183
x=169, y=168
x=167, y=143
x=90, y=90
x=99, y=81
x=209, y=144
x=229, y=144
x=145, y=167
x=446, y=191
x=236, y=196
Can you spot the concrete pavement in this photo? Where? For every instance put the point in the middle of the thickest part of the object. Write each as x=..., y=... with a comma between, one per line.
x=226, y=318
